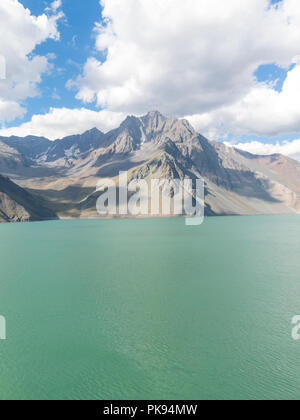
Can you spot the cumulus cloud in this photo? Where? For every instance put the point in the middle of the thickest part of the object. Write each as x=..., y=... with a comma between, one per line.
x=287, y=148
x=61, y=122
x=263, y=111
x=9, y=109
x=194, y=58
x=20, y=33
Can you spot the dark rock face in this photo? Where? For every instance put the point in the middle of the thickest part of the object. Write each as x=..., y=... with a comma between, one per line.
x=17, y=205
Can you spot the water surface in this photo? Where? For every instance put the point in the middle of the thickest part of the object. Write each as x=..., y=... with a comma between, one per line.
x=150, y=309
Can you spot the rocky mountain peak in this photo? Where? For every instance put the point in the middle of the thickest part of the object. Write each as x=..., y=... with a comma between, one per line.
x=159, y=129
x=151, y=145
x=93, y=132
x=153, y=121
x=130, y=121
x=153, y=128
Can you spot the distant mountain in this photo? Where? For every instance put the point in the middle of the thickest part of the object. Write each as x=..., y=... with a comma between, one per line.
x=17, y=205
x=65, y=172
x=40, y=149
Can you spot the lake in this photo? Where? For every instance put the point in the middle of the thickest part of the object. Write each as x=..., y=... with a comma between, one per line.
x=150, y=309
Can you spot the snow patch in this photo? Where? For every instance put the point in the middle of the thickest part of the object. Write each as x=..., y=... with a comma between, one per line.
x=143, y=135
x=43, y=157
x=72, y=152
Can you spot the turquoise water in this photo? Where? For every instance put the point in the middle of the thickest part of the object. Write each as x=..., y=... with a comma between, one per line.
x=150, y=309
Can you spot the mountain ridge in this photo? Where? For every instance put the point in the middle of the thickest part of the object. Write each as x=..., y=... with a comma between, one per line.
x=65, y=172
x=17, y=204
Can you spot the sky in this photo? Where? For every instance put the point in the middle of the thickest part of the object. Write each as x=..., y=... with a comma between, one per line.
x=232, y=68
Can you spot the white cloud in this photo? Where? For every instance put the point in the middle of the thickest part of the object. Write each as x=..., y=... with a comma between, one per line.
x=20, y=33
x=193, y=57
x=287, y=148
x=263, y=111
x=61, y=122
x=56, y=5
x=9, y=109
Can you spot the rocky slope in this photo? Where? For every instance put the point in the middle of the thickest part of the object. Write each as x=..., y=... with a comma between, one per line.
x=66, y=172
x=17, y=205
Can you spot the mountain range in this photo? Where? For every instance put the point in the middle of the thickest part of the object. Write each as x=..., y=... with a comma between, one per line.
x=48, y=179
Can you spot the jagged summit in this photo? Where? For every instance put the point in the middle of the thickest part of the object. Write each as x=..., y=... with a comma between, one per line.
x=154, y=114
x=66, y=171
x=93, y=131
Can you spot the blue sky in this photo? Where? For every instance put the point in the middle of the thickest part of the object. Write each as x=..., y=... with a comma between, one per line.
x=73, y=49
x=110, y=69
